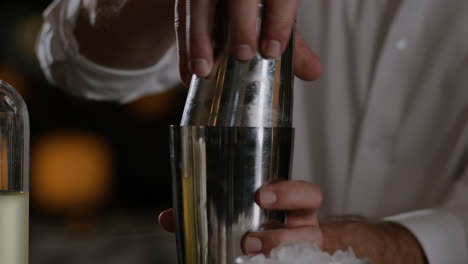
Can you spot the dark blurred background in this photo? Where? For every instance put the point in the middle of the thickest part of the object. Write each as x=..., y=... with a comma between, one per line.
x=99, y=171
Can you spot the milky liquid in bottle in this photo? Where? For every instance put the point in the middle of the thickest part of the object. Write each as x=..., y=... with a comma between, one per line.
x=14, y=226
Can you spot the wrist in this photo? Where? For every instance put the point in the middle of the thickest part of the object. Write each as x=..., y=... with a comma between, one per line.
x=382, y=242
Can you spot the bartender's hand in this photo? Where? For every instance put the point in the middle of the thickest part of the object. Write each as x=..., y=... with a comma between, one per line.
x=381, y=242
x=196, y=44
x=299, y=199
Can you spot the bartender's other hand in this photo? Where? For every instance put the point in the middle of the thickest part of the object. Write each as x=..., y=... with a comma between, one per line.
x=300, y=200
x=195, y=21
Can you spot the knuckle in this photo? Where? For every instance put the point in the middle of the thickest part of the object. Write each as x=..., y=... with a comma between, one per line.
x=301, y=234
x=199, y=33
x=312, y=191
x=199, y=46
x=318, y=195
x=283, y=29
x=274, y=238
x=320, y=239
x=281, y=236
x=311, y=234
x=279, y=28
x=197, y=39
x=242, y=35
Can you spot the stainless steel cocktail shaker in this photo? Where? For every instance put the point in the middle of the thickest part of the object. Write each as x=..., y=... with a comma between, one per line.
x=234, y=137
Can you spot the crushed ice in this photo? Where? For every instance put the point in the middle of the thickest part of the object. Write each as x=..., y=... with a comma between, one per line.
x=302, y=253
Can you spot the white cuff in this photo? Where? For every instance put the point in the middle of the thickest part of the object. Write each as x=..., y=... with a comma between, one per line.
x=440, y=233
x=97, y=82
x=63, y=65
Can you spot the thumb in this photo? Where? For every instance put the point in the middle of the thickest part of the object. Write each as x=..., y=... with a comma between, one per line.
x=306, y=63
x=166, y=220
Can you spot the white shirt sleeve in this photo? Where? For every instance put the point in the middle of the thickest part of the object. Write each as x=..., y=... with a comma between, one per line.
x=440, y=233
x=443, y=232
x=64, y=66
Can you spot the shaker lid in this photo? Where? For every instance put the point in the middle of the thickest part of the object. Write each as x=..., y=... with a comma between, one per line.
x=257, y=93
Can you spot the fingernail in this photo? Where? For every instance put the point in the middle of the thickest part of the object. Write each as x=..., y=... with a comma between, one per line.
x=271, y=48
x=244, y=52
x=253, y=244
x=267, y=197
x=200, y=67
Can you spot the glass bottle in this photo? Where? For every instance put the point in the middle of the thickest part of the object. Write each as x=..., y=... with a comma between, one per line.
x=14, y=177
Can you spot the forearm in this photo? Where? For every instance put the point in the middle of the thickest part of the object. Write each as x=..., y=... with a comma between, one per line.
x=381, y=242
x=136, y=36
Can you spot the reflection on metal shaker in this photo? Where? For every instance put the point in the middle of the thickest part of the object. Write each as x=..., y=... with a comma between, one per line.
x=235, y=136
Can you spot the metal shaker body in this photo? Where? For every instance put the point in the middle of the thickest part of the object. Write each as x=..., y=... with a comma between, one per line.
x=217, y=171
x=235, y=136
